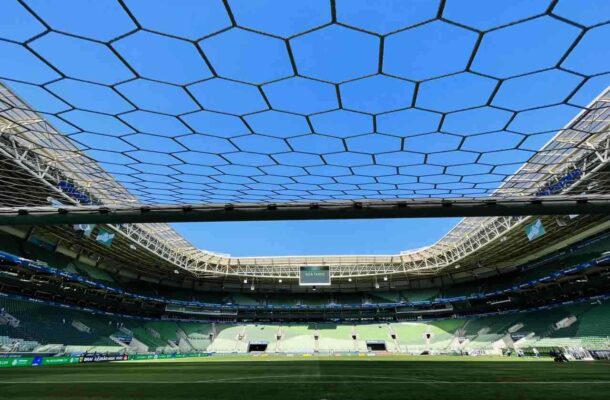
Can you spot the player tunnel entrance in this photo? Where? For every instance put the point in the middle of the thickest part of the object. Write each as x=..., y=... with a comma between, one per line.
x=257, y=347
x=375, y=345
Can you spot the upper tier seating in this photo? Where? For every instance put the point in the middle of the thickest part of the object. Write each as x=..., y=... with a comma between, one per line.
x=39, y=248
x=420, y=294
x=385, y=297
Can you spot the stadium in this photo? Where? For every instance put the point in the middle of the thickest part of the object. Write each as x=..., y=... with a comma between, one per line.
x=135, y=133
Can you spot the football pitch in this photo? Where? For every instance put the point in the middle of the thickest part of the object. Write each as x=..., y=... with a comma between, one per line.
x=291, y=378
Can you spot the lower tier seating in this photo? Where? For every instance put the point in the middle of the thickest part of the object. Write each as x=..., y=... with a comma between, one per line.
x=33, y=326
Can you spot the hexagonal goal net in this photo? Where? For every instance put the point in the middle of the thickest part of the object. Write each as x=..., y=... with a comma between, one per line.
x=148, y=105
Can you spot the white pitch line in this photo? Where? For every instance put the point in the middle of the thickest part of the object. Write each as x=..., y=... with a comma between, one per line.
x=265, y=381
x=250, y=378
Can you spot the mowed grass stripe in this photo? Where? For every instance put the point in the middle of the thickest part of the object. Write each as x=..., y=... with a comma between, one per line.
x=379, y=380
x=307, y=380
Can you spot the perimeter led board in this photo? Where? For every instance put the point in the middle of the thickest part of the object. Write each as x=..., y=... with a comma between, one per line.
x=314, y=276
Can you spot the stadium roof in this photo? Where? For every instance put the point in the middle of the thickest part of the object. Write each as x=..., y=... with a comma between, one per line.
x=307, y=105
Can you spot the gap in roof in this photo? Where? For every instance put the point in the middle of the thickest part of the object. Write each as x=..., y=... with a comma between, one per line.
x=330, y=237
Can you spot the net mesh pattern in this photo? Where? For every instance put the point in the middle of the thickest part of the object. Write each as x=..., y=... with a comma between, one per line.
x=297, y=101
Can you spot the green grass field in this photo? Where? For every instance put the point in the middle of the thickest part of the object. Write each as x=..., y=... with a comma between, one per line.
x=290, y=378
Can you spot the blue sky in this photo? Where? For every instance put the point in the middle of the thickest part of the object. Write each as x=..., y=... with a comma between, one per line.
x=275, y=238
x=270, y=101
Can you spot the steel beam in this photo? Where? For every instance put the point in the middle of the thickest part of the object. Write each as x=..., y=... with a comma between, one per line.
x=419, y=208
